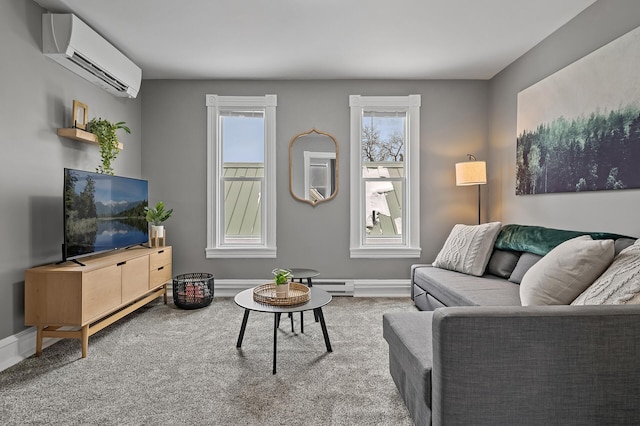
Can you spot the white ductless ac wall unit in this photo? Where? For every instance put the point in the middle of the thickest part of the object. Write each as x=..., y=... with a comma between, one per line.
x=76, y=46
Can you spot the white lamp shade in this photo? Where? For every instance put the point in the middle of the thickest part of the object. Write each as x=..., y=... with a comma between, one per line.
x=471, y=173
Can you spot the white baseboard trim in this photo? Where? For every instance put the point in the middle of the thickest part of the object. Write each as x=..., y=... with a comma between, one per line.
x=382, y=288
x=22, y=345
x=336, y=287
x=229, y=288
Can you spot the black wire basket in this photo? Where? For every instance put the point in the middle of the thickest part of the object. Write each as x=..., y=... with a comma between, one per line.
x=193, y=290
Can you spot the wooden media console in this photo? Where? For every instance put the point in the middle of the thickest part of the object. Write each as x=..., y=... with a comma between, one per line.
x=91, y=297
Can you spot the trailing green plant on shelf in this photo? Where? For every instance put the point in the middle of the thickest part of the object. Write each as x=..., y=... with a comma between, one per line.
x=107, y=138
x=157, y=215
x=281, y=276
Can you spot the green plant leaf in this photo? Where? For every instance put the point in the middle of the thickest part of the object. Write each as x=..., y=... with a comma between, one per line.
x=107, y=138
x=157, y=215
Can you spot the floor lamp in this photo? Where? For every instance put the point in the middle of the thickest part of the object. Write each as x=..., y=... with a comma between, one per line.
x=472, y=172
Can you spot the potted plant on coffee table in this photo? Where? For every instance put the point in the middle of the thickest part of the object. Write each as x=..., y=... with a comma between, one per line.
x=156, y=217
x=281, y=278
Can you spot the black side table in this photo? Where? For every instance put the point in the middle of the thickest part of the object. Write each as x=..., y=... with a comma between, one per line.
x=304, y=274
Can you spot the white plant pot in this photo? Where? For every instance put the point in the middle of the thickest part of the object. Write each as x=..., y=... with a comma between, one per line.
x=282, y=290
x=157, y=231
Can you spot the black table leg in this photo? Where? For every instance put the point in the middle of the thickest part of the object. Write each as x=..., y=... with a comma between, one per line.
x=302, y=312
x=318, y=312
x=276, y=321
x=310, y=284
x=244, y=326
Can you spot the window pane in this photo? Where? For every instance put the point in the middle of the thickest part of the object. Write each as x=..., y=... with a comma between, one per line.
x=242, y=208
x=383, y=211
x=242, y=137
x=383, y=137
x=383, y=143
x=243, y=157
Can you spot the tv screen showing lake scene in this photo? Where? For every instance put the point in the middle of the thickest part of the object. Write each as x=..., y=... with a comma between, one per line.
x=103, y=212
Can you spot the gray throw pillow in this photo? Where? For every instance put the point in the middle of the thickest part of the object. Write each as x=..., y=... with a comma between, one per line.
x=526, y=261
x=502, y=263
x=468, y=248
x=623, y=243
x=566, y=271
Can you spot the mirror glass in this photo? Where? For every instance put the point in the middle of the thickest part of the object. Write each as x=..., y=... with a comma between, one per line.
x=313, y=166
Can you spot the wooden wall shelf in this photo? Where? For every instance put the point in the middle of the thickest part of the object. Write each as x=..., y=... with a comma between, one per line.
x=81, y=135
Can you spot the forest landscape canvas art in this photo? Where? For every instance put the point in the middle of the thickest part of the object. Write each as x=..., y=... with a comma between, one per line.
x=579, y=129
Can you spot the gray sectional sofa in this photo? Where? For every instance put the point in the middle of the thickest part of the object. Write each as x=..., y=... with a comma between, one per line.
x=474, y=355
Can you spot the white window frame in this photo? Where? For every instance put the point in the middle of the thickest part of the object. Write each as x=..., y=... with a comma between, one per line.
x=309, y=158
x=409, y=247
x=216, y=246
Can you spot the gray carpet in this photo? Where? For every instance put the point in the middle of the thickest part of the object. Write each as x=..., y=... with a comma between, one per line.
x=164, y=365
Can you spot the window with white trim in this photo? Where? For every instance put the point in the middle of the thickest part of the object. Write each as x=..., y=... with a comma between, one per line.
x=241, y=180
x=385, y=176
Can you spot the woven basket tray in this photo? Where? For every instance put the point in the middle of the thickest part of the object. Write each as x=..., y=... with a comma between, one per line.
x=266, y=293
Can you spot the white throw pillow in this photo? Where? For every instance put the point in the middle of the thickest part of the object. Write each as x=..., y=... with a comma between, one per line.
x=468, y=248
x=566, y=271
x=619, y=284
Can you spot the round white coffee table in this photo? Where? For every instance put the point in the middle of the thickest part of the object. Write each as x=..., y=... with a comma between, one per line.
x=317, y=299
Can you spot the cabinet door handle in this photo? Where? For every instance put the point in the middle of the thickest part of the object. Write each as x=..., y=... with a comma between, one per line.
x=121, y=263
x=161, y=268
x=161, y=251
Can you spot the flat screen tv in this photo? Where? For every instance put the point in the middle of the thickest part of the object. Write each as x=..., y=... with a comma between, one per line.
x=102, y=212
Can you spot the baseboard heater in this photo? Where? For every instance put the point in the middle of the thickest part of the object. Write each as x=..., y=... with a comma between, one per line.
x=335, y=288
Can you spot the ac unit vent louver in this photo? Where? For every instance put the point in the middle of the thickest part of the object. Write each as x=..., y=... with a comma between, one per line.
x=102, y=75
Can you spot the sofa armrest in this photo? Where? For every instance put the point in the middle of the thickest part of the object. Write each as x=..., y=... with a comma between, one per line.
x=536, y=365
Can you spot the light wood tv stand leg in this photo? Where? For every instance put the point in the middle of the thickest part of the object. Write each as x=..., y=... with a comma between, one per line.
x=39, y=340
x=85, y=340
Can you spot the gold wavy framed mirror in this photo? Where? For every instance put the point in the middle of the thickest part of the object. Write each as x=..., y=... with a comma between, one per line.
x=313, y=166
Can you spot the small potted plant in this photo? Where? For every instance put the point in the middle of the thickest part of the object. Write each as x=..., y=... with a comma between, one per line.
x=107, y=139
x=156, y=216
x=281, y=278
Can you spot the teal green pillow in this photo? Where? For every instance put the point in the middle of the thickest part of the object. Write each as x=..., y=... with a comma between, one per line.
x=540, y=240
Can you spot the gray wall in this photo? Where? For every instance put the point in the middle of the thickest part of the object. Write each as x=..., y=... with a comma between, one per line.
x=37, y=95
x=453, y=123
x=614, y=211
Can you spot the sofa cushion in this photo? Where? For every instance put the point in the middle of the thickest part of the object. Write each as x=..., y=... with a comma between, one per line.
x=457, y=289
x=502, y=263
x=566, y=271
x=619, y=284
x=623, y=243
x=525, y=262
x=409, y=337
x=540, y=240
x=468, y=248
